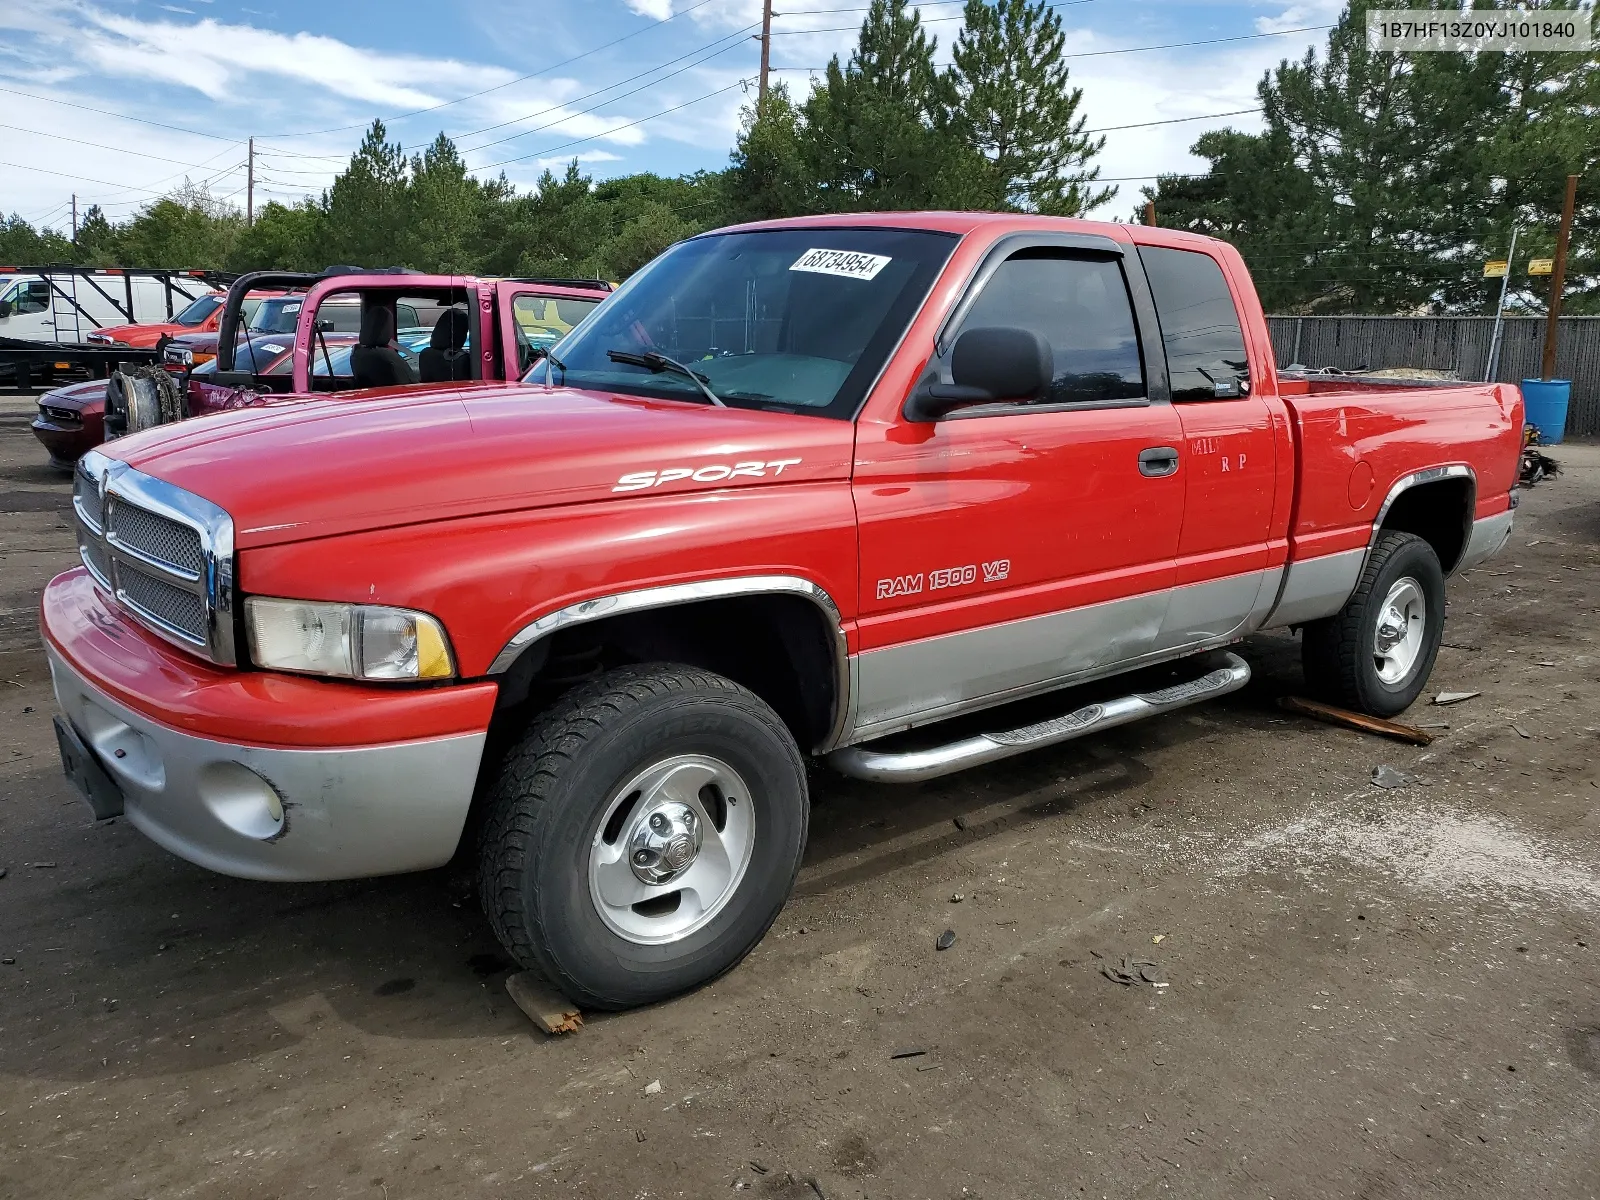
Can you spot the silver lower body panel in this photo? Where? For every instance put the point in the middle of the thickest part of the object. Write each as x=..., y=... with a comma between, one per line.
x=917, y=683
x=1488, y=537
x=914, y=766
x=277, y=814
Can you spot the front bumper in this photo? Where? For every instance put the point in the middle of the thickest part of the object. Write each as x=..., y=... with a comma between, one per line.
x=258, y=774
x=346, y=811
x=66, y=443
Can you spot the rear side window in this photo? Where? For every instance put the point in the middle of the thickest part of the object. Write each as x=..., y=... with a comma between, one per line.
x=1199, y=324
x=1081, y=307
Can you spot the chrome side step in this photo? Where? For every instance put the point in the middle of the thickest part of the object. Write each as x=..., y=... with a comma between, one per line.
x=913, y=766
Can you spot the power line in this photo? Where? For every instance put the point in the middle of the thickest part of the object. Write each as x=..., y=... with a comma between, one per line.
x=508, y=83
x=121, y=116
x=1175, y=120
x=612, y=100
x=102, y=146
x=735, y=38
x=80, y=178
x=617, y=128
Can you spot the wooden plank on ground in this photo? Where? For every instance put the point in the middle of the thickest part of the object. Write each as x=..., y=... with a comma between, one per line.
x=1354, y=720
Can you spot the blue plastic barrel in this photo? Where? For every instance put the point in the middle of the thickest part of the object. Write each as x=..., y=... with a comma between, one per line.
x=1545, y=403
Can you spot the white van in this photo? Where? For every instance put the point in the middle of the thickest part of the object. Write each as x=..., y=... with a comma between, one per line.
x=31, y=310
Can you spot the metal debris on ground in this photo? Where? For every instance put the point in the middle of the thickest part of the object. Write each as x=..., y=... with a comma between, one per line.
x=909, y=1052
x=1388, y=777
x=1131, y=971
x=1354, y=720
x=545, y=1007
x=956, y=897
x=1454, y=697
x=1520, y=731
x=946, y=940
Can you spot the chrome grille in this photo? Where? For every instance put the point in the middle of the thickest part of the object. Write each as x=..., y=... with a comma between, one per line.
x=181, y=611
x=156, y=538
x=165, y=554
x=86, y=499
x=93, y=555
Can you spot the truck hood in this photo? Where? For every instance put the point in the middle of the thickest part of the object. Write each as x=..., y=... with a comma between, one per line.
x=310, y=468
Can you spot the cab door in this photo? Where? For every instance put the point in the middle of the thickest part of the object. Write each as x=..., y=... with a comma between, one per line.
x=1010, y=547
x=535, y=316
x=1225, y=573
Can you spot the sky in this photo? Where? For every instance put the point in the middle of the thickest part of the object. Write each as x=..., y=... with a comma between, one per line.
x=122, y=100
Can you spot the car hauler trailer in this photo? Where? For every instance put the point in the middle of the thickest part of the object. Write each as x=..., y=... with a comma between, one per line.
x=50, y=315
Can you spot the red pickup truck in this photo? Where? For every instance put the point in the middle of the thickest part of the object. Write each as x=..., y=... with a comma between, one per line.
x=798, y=487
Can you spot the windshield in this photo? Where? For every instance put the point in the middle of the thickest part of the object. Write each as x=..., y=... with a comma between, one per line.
x=197, y=312
x=276, y=314
x=799, y=320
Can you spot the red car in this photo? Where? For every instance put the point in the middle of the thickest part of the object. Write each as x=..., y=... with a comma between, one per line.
x=809, y=487
x=200, y=316
x=71, y=420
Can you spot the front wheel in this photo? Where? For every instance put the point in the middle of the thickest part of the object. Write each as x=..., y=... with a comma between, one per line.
x=643, y=835
x=1376, y=653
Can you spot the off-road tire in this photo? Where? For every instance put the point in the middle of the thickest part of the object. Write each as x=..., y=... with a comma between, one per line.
x=1337, y=653
x=545, y=805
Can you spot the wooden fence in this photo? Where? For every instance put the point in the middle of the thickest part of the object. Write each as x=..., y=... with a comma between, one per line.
x=1459, y=344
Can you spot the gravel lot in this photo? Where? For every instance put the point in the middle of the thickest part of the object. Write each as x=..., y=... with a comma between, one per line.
x=1369, y=992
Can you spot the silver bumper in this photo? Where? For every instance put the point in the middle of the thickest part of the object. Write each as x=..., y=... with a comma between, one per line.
x=287, y=815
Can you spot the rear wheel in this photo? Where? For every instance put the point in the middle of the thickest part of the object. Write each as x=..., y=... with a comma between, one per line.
x=1376, y=653
x=643, y=834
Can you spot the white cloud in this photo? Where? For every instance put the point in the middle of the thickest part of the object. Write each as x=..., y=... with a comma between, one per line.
x=657, y=10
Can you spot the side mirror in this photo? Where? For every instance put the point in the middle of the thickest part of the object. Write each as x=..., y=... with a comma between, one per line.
x=325, y=325
x=996, y=363
x=5, y=309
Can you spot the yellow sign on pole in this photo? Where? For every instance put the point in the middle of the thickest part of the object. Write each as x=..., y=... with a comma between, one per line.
x=1495, y=269
x=1541, y=266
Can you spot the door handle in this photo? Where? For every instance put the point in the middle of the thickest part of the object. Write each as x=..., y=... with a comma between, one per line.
x=1158, y=462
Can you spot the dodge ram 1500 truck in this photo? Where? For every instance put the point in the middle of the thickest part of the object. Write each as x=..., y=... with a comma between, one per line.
x=860, y=487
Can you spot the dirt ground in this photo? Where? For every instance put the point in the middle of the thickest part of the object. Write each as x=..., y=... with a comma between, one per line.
x=1370, y=993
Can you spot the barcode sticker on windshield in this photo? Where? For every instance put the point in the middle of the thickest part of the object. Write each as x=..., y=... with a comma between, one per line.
x=848, y=263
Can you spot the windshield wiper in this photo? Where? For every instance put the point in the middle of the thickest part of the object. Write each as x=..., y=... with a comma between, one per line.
x=652, y=361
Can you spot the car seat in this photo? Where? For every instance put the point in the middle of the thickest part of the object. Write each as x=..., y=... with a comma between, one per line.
x=446, y=359
x=374, y=362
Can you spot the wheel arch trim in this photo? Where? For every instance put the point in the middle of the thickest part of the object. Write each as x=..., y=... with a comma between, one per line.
x=675, y=595
x=1415, y=479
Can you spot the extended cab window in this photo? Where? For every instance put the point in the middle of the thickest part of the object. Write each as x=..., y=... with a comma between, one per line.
x=1080, y=306
x=1199, y=324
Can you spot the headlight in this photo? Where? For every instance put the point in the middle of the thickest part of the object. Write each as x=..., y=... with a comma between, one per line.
x=354, y=641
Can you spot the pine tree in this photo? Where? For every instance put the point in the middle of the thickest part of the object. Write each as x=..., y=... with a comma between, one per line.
x=1255, y=196
x=769, y=176
x=1015, y=103
x=877, y=133
x=366, y=206
x=443, y=213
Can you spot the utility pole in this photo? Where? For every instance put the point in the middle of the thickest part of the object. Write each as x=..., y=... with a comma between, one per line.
x=1558, y=277
x=1493, y=364
x=766, y=49
x=250, y=185
x=1149, y=212
x=74, y=216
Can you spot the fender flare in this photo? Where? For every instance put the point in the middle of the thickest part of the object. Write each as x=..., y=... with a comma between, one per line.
x=1417, y=479
x=676, y=594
